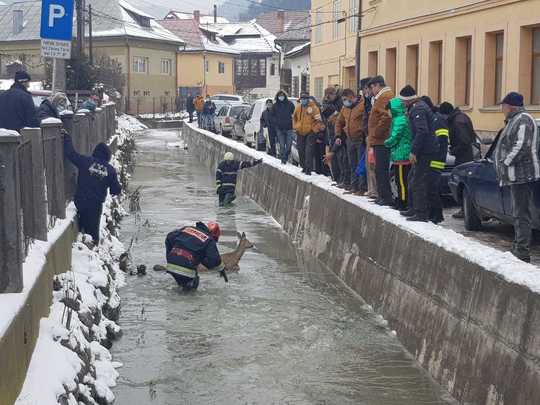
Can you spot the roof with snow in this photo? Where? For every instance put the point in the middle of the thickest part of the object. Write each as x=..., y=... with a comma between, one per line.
x=203, y=18
x=195, y=38
x=287, y=24
x=111, y=18
x=299, y=50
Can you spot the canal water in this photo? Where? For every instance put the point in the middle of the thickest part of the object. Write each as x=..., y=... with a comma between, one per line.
x=284, y=330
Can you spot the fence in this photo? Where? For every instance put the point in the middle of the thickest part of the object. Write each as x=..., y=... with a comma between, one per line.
x=153, y=107
x=36, y=182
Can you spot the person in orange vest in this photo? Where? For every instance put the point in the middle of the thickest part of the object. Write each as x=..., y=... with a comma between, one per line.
x=198, y=103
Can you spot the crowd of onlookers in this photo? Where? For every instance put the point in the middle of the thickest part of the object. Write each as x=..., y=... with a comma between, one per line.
x=363, y=140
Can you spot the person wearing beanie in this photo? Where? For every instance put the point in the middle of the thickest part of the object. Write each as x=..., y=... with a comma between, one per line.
x=517, y=165
x=425, y=148
x=226, y=176
x=17, y=109
x=378, y=131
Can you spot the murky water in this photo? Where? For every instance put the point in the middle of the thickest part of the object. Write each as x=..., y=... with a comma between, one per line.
x=283, y=331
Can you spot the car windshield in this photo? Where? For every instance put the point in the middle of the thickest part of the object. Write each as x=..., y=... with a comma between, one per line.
x=226, y=98
x=237, y=110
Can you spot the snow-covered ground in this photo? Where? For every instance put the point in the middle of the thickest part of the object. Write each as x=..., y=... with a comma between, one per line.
x=71, y=363
x=503, y=263
x=169, y=115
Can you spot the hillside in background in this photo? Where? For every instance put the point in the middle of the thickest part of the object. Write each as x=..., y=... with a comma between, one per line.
x=244, y=10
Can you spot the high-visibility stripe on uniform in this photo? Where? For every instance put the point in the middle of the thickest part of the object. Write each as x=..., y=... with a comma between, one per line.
x=402, y=188
x=229, y=173
x=229, y=184
x=441, y=132
x=182, y=271
x=436, y=164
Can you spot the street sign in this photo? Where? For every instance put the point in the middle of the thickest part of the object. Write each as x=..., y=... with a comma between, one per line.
x=56, y=28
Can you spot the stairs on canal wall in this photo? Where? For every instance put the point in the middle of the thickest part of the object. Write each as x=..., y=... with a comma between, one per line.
x=473, y=331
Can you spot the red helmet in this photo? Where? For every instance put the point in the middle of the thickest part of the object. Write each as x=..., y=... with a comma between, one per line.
x=215, y=232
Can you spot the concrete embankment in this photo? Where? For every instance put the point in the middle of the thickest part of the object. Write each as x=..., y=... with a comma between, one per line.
x=469, y=314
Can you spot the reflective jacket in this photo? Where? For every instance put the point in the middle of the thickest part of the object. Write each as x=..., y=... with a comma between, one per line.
x=440, y=126
x=425, y=144
x=227, y=173
x=307, y=120
x=190, y=246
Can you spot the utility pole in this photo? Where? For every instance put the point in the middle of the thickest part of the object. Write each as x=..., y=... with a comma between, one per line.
x=79, y=5
x=358, y=46
x=215, y=14
x=90, y=37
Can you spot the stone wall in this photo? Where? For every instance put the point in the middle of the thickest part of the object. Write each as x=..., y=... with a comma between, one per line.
x=475, y=333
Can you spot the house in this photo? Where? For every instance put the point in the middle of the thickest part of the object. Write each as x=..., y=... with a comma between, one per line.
x=145, y=50
x=257, y=65
x=290, y=27
x=296, y=65
x=467, y=52
x=205, y=63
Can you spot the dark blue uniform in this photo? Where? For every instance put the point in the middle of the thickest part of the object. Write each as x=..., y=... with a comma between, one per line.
x=17, y=109
x=96, y=175
x=437, y=165
x=226, y=176
x=188, y=247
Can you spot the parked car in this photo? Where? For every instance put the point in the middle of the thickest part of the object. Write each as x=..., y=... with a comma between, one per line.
x=226, y=99
x=475, y=186
x=226, y=116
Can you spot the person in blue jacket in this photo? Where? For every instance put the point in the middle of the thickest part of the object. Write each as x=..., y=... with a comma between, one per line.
x=187, y=247
x=226, y=175
x=17, y=109
x=96, y=176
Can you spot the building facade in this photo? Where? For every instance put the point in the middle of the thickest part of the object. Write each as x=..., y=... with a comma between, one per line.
x=295, y=72
x=467, y=52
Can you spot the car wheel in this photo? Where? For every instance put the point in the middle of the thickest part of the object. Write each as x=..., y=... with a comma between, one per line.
x=473, y=222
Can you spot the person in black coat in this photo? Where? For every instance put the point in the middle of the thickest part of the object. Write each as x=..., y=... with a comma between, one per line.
x=282, y=111
x=17, y=109
x=462, y=133
x=187, y=247
x=425, y=148
x=267, y=121
x=226, y=175
x=336, y=155
x=96, y=176
x=190, y=107
x=52, y=107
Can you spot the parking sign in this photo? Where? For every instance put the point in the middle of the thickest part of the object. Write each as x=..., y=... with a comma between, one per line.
x=56, y=28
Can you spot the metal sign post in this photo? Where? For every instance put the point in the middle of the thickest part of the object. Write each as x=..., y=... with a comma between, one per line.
x=56, y=31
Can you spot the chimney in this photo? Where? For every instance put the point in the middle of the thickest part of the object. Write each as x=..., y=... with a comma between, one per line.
x=197, y=16
x=18, y=19
x=281, y=20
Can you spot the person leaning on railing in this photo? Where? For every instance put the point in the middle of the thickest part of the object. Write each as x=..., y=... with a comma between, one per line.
x=96, y=176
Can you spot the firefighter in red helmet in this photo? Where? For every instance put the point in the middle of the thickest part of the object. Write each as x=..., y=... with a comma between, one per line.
x=190, y=246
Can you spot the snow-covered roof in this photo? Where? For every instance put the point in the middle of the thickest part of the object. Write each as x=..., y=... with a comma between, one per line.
x=298, y=50
x=245, y=37
x=203, y=18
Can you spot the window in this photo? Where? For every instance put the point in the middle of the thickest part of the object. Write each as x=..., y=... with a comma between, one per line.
x=373, y=63
x=295, y=86
x=318, y=27
x=435, y=71
x=493, y=71
x=140, y=64
x=318, y=84
x=262, y=67
x=242, y=67
x=336, y=13
x=391, y=61
x=221, y=67
x=463, y=71
x=353, y=12
x=272, y=69
x=166, y=66
x=206, y=65
x=223, y=111
x=412, y=65
x=535, y=85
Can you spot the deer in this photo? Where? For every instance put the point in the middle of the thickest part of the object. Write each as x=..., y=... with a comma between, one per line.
x=232, y=259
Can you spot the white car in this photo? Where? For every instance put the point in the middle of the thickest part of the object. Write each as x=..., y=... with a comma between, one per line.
x=252, y=126
x=226, y=117
x=226, y=99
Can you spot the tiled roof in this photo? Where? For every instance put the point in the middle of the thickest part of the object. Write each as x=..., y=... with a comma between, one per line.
x=286, y=28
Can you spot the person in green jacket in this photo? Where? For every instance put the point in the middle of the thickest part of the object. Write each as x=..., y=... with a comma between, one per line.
x=399, y=144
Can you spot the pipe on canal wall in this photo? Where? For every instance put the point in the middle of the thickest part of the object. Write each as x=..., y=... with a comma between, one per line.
x=475, y=333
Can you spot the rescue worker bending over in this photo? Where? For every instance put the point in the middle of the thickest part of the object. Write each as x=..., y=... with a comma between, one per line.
x=226, y=175
x=190, y=246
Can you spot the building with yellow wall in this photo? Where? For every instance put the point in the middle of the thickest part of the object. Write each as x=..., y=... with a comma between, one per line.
x=468, y=52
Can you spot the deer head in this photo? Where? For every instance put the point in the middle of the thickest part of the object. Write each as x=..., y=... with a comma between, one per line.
x=244, y=243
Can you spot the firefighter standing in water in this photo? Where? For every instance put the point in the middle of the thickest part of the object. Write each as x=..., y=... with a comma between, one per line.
x=226, y=175
x=190, y=246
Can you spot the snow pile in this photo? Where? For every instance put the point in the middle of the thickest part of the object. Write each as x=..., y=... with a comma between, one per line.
x=128, y=124
x=502, y=263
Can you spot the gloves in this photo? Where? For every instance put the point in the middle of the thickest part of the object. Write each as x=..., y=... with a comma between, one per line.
x=257, y=162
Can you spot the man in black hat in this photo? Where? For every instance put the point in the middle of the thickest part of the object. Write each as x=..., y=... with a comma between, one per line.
x=17, y=109
x=518, y=167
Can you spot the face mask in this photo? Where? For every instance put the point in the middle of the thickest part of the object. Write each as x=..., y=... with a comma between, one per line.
x=304, y=102
x=281, y=98
x=347, y=103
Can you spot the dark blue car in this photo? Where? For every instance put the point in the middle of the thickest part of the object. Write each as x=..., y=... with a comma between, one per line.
x=475, y=186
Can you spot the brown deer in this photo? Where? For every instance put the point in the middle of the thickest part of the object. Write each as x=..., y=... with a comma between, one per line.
x=231, y=260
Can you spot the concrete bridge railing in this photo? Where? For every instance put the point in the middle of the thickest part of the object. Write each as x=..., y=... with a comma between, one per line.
x=36, y=182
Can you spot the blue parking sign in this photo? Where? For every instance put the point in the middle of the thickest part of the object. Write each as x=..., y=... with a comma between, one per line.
x=57, y=19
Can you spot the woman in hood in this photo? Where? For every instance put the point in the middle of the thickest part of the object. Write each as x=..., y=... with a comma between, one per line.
x=282, y=112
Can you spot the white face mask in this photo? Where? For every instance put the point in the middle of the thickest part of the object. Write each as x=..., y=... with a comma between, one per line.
x=281, y=98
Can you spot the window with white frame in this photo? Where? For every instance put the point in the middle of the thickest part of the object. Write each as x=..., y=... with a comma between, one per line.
x=336, y=13
x=166, y=66
x=141, y=64
x=318, y=84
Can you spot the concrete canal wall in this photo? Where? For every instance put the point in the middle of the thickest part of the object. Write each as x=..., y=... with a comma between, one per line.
x=469, y=314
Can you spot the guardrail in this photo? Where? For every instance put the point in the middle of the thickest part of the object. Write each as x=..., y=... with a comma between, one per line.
x=36, y=183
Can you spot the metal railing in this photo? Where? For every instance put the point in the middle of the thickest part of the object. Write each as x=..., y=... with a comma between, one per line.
x=36, y=183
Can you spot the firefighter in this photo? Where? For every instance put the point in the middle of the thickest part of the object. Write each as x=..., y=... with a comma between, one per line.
x=226, y=175
x=190, y=246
